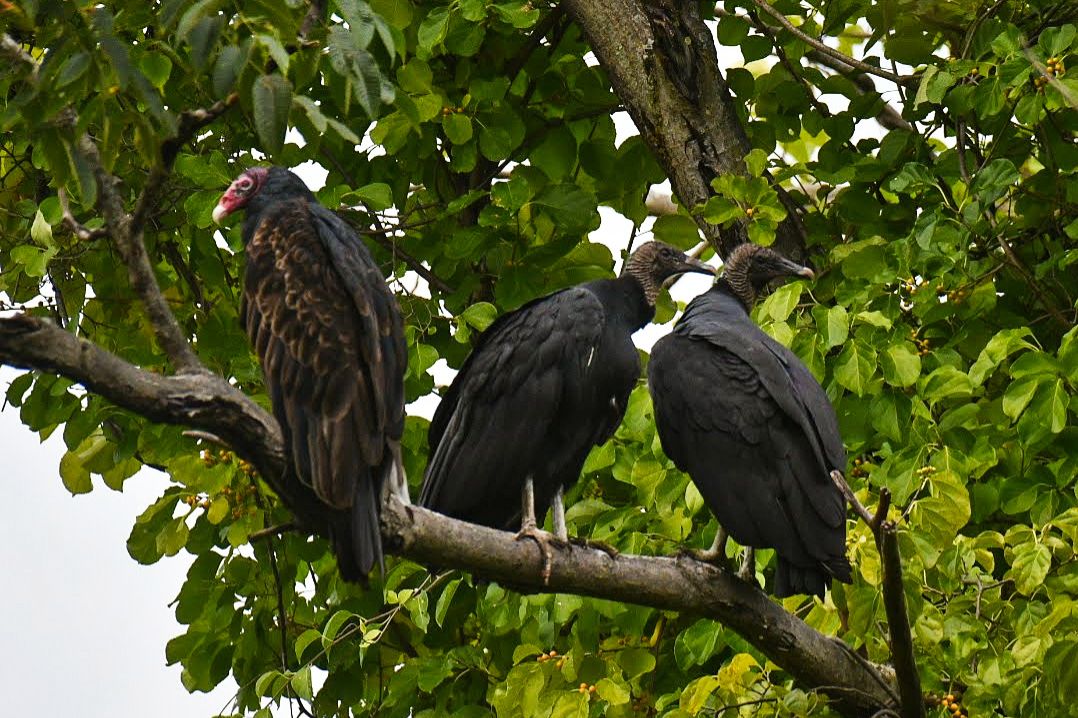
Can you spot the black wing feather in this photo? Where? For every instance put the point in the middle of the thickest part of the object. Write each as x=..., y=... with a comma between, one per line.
x=524, y=403
x=755, y=431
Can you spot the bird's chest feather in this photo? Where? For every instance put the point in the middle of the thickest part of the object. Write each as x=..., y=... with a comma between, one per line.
x=291, y=287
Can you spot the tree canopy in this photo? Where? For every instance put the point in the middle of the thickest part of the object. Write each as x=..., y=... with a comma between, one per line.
x=920, y=155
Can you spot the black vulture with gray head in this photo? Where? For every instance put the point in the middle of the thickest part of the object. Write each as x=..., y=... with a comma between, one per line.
x=544, y=384
x=744, y=417
x=330, y=338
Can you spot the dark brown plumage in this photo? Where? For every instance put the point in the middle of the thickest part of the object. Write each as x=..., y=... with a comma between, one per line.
x=330, y=338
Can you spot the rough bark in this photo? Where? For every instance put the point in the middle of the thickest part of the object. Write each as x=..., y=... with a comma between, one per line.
x=661, y=60
x=208, y=403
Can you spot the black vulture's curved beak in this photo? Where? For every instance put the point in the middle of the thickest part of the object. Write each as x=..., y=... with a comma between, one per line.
x=796, y=270
x=692, y=264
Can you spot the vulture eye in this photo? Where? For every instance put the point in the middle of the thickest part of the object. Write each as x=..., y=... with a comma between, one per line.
x=665, y=253
x=244, y=185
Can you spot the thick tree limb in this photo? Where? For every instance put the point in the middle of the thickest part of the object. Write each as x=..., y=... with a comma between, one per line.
x=201, y=400
x=661, y=60
x=210, y=404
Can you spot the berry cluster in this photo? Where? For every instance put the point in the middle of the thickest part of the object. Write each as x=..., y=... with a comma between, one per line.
x=925, y=471
x=858, y=470
x=552, y=656
x=585, y=688
x=949, y=703
x=451, y=110
x=1053, y=67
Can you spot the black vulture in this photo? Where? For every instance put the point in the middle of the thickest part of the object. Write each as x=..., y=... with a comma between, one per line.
x=330, y=338
x=744, y=417
x=544, y=384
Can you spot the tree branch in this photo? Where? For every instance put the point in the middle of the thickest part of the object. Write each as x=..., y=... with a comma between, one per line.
x=126, y=230
x=661, y=60
x=888, y=117
x=898, y=623
x=12, y=50
x=210, y=404
x=830, y=51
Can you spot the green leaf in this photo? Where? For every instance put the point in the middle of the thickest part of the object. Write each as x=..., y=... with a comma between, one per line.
x=40, y=230
x=377, y=196
x=636, y=662
x=945, y=511
x=994, y=179
x=782, y=302
x=458, y=127
x=480, y=315
x=999, y=347
x=271, y=96
x=74, y=67
x=218, y=511
x=304, y=641
x=855, y=367
x=613, y=693
x=445, y=600
x=946, y=382
x=333, y=626
x=695, y=695
x=173, y=537
x=696, y=644
x=756, y=162
x=1029, y=567
x=301, y=683
x=838, y=326
x=678, y=230
x=156, y=67
x=34, y=260
x=75, y=475
x=901, y=365
x=1017, y=396
x=432, y=30
x=571, y=208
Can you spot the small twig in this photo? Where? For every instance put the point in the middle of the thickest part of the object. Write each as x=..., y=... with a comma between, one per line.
x=272, y=531
x=898, y=623
x=387, y=243
x=80, y=231
x=888, y=117
x=827, y=50
x=206, y=436
x=847, y=493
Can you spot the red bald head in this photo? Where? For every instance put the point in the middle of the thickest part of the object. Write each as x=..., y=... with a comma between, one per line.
x=240, y=192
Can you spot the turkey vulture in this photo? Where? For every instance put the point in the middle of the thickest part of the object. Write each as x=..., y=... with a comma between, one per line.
x=744, y=417
x=329, y=335
x=544, y=384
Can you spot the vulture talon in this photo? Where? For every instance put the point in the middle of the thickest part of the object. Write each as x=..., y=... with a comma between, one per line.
x=544, y=540
x=714, y=554
x=747, y=571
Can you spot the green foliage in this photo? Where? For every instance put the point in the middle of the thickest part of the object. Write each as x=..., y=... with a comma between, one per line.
x=941, y=325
